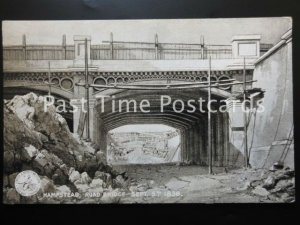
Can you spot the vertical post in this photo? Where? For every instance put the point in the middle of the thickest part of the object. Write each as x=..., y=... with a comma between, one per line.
x=49, y=79
x=156, y=46
x=111, y=46
x=209, y=120
x=24, y=46
x=245, y=115
x=64, y=46
x=87, y=92
x=202, y=46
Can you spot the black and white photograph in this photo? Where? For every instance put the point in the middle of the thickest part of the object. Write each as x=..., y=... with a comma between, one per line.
x=148, y=111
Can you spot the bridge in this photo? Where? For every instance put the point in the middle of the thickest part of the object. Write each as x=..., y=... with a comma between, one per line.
x=112, y=64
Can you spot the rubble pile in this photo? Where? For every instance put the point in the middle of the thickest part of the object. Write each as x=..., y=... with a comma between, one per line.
x=275, y=185
x=41, y=141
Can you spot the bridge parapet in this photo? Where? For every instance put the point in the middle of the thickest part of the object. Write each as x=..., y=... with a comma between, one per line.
x=125, y=65
x=116, y=62
x=242, y=45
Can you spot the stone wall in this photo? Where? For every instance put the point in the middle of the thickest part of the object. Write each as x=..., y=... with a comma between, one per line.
x=270, y=133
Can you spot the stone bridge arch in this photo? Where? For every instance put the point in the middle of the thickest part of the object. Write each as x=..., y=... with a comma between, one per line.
x=193, y=126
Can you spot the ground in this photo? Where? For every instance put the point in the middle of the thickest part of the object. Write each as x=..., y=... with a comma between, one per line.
x=190, y=184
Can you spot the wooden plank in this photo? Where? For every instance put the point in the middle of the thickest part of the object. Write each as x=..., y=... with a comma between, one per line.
x=82, y=120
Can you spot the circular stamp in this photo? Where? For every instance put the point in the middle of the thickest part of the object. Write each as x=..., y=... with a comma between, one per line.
x=27, y=183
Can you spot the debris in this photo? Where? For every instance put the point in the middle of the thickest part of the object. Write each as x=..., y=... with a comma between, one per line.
x=101, y=175
x=39, y=162
x=63, y=189
x=96, y=183
x=28, y=153
x=260, y=191
x=119, y=182
x=74, y=176
x=246, y=186
x=269, y=183
x=84, y=178
x=59, y=177
x=47, y=185
x=5, y=181
x=278, y=184
x=276, y=166
x=12, y=196
x=82, y=188
x=11, y=179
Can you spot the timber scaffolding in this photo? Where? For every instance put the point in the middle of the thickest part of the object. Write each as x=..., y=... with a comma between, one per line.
x=207, y=85
x=120, y=50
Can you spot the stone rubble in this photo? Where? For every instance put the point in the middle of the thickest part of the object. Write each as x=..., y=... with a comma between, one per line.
x=277, y=184
x=41, y=141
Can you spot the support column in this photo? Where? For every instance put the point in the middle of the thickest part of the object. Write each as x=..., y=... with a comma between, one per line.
x=236, y=128
x=111, y=46
x=196, y=144
x=24, y=46
x=76, y=115
x=213, y=138
x=64, y=47
x=182, y=139
x=226, y=139
x=95, y=133
x=199, y=143
x=156, y=47
x=219, y=140
x=187, y=146
x=101, y=139
x=191, y=145
x=79, y=92
x=92, y=118
x=186, y=153
x=202, y=46
x=205, y=142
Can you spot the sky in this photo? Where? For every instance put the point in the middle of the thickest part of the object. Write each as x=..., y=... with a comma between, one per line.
x=143, y=128
x=215, y=31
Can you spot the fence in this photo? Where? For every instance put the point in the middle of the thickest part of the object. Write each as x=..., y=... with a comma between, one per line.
x=161, y=51
x=39, y=52
x=123, y=51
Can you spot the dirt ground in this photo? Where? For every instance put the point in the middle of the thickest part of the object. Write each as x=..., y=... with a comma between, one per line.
x=189, y=184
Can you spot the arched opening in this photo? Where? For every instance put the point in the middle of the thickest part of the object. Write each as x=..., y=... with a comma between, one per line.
x=111, y=114
x=143, y=144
